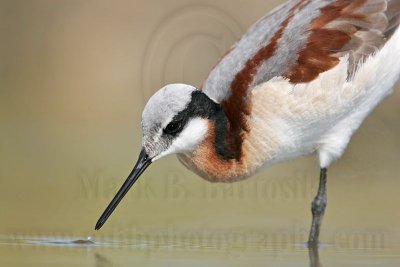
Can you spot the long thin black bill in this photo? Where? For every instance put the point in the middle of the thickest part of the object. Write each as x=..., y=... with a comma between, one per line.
x=142, y=163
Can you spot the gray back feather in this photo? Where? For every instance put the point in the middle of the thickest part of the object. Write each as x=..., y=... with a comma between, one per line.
x=217, y=85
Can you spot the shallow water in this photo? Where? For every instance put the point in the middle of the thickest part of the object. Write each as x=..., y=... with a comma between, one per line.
x=62, y=251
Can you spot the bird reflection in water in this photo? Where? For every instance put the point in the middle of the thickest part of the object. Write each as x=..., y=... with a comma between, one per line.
x=102, y=261
x=313, y=253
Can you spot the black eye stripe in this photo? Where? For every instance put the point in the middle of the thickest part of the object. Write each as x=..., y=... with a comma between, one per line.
x=199, y=106
x=173, y=127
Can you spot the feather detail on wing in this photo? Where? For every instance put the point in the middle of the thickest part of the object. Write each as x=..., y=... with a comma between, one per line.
x=302, y=39
x=355, y=28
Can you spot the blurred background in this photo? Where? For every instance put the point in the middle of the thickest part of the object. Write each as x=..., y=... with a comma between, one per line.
x=74, y=78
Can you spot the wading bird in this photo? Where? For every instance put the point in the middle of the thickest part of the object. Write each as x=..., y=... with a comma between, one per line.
x=300, y=81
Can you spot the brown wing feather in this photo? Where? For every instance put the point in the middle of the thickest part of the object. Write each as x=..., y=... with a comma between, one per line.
x=393, y=15
x=355, y=28
x=237, y=106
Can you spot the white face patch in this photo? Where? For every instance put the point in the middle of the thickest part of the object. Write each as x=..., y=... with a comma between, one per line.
x=191, y=136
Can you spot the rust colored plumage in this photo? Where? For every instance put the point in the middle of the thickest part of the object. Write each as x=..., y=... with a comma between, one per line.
x=319, y=54
x=238, y=100
x=208, y=164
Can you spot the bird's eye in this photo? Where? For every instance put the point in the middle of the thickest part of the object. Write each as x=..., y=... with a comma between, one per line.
x=173, y=127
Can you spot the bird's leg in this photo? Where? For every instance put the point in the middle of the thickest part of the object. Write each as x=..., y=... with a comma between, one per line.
x=314, y=256
x=318, y=209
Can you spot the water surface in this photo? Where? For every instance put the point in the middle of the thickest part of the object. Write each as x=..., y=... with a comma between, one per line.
x=72, y=251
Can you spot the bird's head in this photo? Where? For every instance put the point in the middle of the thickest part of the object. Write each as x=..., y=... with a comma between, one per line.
x=174, y=120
